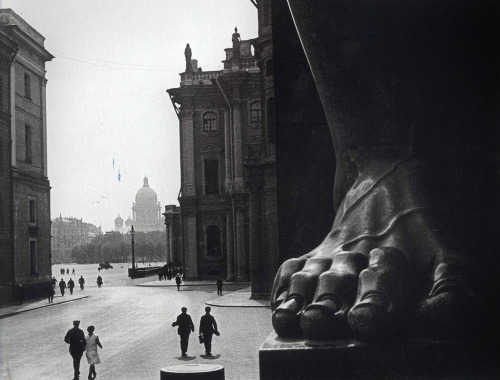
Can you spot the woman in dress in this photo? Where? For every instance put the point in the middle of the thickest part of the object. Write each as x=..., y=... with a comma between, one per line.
x=91, y=351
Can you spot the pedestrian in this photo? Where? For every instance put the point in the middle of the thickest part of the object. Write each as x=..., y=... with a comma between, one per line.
x=91, y=351
x=99, y=269
x=54, y=282
x=50, y=291
x=73, y=271
x=62, y=286
x=71, y=285
x=178, y=281
x=186, y=325
x=219, y=286
x=208, y=327
x=99, y=281
x=81, y=281
x=67, y=271
x=76, y=340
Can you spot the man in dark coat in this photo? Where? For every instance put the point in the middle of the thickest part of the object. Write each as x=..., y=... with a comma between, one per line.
x=208, y=327
x=186, y=325
x=71, y=285
x=76, y=340
x=81, y=281
x=62, y=286
x=219, y=286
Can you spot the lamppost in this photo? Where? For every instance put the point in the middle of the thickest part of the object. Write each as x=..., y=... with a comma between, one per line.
x=132, y=232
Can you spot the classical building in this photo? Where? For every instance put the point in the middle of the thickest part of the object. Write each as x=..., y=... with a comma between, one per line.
x=228, y=180
x=172, y=217
x=146, y=210
x=68, y=233
x=29, y=264
x=8, y=51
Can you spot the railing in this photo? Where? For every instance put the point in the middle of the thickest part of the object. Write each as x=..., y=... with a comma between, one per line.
x=198, y=77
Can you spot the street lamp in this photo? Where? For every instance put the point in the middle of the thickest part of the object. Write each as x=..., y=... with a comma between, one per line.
x=132, y=232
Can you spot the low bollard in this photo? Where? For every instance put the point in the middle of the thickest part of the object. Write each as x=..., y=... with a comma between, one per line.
x=193, y=371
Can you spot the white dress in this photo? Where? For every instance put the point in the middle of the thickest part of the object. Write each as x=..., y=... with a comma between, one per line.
x=91, y=350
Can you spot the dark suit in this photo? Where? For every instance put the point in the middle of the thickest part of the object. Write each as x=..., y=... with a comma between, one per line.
x=76, y=340
x=186, y=325
x=208, y=327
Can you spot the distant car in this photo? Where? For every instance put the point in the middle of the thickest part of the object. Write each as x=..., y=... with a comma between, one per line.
x=105, y=265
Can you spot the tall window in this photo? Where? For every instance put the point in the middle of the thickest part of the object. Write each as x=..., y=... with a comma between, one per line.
x=211, y=177
x=33, y=257
x=32, y=210
x=27, y=86
x=209, y=121
x=271, y=131
x=256, y=112
x=27, y=143
x=213, y=241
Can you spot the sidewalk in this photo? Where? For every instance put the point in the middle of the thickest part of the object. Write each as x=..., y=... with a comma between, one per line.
x=14, y=309
x=227, y=285
x=239, y=298
x=235, y=294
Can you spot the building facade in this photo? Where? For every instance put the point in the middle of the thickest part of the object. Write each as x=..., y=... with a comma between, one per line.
x=228, y=180
x=8, y=51
x=67, y=233
x=28, y=155
x=172, y=217
x=146, y=210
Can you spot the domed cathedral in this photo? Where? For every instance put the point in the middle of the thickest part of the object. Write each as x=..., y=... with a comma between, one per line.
x=146, y=210
x=228, y=171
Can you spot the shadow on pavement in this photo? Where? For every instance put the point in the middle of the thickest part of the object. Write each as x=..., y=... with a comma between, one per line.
x=210, y=357
x=185, y=358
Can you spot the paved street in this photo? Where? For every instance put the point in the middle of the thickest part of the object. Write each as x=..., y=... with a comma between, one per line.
x=134, y=326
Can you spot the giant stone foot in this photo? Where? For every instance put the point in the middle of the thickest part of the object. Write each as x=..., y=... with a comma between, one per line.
x=370, y=276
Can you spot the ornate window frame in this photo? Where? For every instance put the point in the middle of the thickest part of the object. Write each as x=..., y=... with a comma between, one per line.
x=211, y=152
x=255, y=114
x=210, y=126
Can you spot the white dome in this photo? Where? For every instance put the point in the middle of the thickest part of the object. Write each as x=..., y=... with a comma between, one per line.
x=146, y=195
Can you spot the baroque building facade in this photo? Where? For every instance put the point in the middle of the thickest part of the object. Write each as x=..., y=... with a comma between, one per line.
x=30, y=263
x=8, y=50
x=228, y=178
x=68, y=233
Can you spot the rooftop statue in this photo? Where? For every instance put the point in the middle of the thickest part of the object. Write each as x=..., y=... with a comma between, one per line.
x=236, y=37
x=188, y=54
x=410, y=92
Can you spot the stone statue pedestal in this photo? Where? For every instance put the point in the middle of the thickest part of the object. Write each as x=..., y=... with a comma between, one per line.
x=193, y=371
x=417, y=358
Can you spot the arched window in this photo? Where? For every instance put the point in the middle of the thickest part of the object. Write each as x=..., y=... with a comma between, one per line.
x=256, y=112
x=213, y=241
x=271, y=131
x=209, y=121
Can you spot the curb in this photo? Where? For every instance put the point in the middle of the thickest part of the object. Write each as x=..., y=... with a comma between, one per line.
x=40, y=307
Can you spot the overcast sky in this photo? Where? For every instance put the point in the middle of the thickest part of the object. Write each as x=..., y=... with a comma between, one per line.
x=106, y=93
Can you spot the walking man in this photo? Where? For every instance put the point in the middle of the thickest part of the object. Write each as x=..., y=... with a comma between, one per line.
x=76, y=340
x=62, y=286
x=99, y=281
x=81, y=281
x=219, y=286
x=208, y=327
x=71, y=285
x=178, y=281
x=186, y=325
